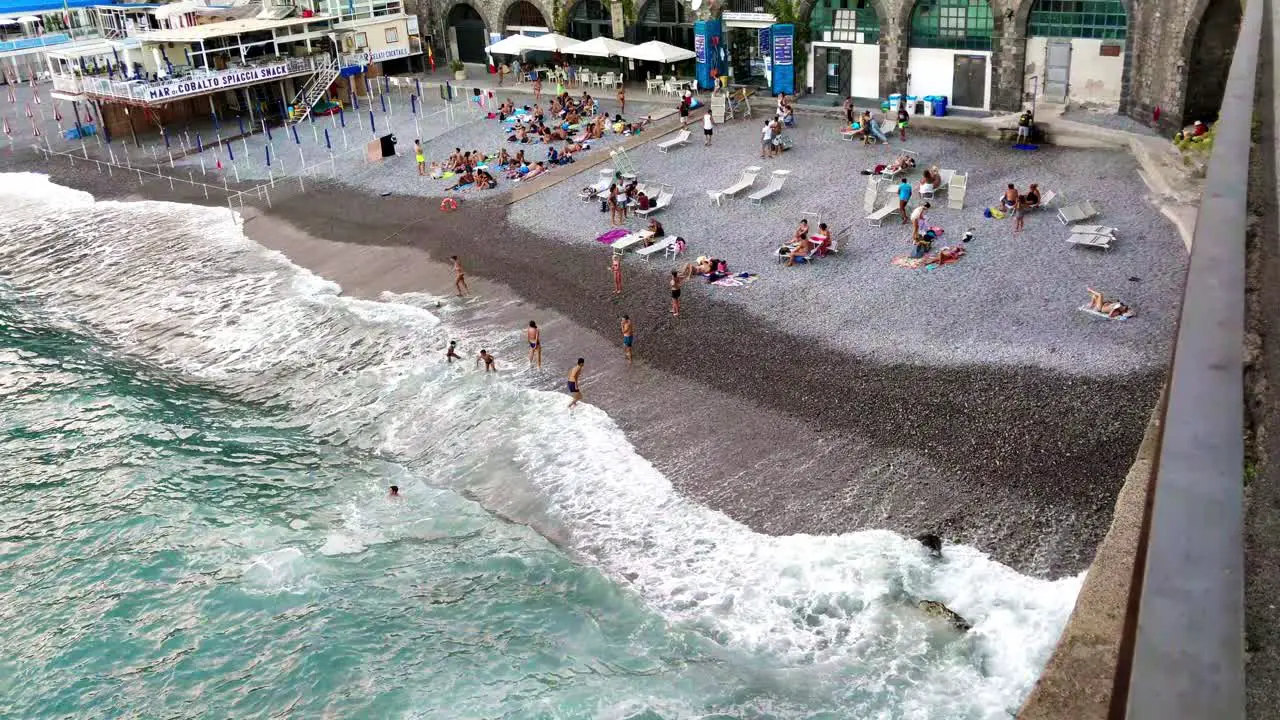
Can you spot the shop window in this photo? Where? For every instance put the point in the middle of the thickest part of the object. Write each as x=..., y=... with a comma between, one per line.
x=849, y=21
x=952, y=24
x=1093, y=19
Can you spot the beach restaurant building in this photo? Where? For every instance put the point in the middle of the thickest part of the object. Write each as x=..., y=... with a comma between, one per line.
x=262, y=62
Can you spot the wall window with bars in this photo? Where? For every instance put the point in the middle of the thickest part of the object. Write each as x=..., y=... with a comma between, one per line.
x=665, y=20
x=1093, y=19
x=952, y=24
x=589, y=19
x=851, y=21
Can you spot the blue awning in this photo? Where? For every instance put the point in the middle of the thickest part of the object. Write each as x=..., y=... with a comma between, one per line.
x=27, y=7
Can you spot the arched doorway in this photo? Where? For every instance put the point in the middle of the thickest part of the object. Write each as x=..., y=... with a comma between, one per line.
x=524, y=16
x=468, y=29
x=589, y=19
x=1210, y=60
x=665, y=20
x=950, y=53
x=1076, y=49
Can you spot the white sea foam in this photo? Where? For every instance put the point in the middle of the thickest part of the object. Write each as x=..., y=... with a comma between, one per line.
x=191, y=292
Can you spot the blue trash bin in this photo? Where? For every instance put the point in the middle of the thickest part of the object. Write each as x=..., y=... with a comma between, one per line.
x=940, y=106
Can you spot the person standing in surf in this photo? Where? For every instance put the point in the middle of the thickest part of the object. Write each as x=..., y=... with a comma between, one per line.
x=451, y=353
x=459, y=276
x=535, y=344
x=575, y=375
x=628, y=336
x=487, y=359
x=616, y=266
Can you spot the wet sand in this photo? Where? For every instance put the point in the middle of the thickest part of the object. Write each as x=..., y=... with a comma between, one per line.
x=783, y=435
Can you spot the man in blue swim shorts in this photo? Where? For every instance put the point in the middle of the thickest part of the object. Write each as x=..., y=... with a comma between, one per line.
x=628, y=336
x=574, y=374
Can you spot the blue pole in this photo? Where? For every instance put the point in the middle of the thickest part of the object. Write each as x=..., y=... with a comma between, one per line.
x=368, y=89
x=199, y=144
x=216, y=126
x=372, y=128
x=241, y=121
x=294, y=128
x=231, y=155
x=383, y=98
x=386, y=85
x=417, y=86
x=268, y=149
x=355, y=100
x=342, y=116
x=165, y=133
x=327, y=144
x=413, y=104
x=268, y=127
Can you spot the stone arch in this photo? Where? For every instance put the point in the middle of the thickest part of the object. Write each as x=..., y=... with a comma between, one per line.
x=669, y=31
x=1208, y=46
x=806, y=10
x=467, y=37
x=511, y=11
x=1022, y=21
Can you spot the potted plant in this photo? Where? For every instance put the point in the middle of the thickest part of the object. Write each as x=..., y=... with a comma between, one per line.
x=459, y=70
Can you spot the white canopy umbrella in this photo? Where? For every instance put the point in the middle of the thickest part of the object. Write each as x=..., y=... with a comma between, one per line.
x=599, y=47
x=551, y=42
x=657, y=51
x=28, y=19
x=512, y=45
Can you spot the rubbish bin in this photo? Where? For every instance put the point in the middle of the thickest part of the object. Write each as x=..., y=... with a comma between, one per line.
x=940, y=106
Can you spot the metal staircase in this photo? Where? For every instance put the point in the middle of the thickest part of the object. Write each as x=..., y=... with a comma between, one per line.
x=314, y=91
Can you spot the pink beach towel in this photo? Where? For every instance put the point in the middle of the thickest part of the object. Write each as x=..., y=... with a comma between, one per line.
x=612, y=236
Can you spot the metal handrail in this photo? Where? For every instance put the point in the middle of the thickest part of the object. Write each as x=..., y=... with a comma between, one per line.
x=1187, y=639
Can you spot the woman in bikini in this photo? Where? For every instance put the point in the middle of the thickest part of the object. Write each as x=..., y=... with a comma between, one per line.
x=676, y=282
x=616, y=266
x=535, y=343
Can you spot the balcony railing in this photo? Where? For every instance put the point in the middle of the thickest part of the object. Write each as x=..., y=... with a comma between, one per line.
x=189, y=83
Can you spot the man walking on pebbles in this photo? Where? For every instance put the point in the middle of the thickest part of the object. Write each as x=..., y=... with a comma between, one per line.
x=628, y=336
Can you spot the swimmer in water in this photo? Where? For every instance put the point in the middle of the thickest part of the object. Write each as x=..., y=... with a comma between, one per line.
x=488, y=361
x=575, y=373
x=394, y=492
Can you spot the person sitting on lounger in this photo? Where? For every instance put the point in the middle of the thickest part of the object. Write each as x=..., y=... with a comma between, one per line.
x=799, y=249
x=1010, y=198
x=1110, y=308
x=902, y=163
x=873, y=128
x=1032, y=199
x=656, y=229
x=801, y=229
x=931, y=180
x=824, y=240
x=464, y=179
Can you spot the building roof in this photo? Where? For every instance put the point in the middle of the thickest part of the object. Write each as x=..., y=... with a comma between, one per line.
x=223, y=29
x=24, y=7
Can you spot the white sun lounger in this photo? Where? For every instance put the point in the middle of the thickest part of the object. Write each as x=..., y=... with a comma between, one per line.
x=664, y=199
x=1094, y=230
x=1098, y=241
x=1045, y=199
x=876, y=219
x=1078, y=212
x=681, y=139
x=658, y=247
x=776, y=179
x=747, y=180
x=956, y=190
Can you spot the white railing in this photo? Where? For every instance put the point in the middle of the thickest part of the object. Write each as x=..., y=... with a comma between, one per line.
x=197, y=82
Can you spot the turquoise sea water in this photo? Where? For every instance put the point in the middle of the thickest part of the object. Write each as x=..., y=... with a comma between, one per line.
x=197, y=440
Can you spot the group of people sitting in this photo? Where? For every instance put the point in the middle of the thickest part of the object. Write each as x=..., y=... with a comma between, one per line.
x=481, y=179
x=1012, y=199
x=863, y=127
x=712, y=269
x=802, y=246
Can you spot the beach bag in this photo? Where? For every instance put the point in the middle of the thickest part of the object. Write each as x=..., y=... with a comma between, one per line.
x=604, y=206
x=986, y=213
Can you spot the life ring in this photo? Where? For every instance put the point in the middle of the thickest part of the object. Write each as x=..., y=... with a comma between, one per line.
x=448, y=204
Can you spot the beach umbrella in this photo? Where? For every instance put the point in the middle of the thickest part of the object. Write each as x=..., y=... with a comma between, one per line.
x=657, y=51
x=511, y=45
x=598, y=47
x=552, y=42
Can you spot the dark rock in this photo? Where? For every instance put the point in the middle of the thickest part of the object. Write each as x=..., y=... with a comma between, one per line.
x=932, y=542
x=938, y=610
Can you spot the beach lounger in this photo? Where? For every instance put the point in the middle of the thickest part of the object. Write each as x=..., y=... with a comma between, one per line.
x=1078, y=212
x=680, y=139
x=594, y=191
x=675, y=248
x=1045, y=199
x=747, y=180
x=625, y=243
x=776, y=179
x=1094, y=230
x=876, y=219
x=658, y=247
x=956, y=190
x=664, y=199
x=1098, y=241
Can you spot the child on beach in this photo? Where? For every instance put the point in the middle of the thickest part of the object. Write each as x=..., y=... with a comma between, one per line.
x=487, y=359
x=1019, y=213
x=616, y=266
x=422, y=159
x=904, y=118
x=451, y=353
x=459, y=276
